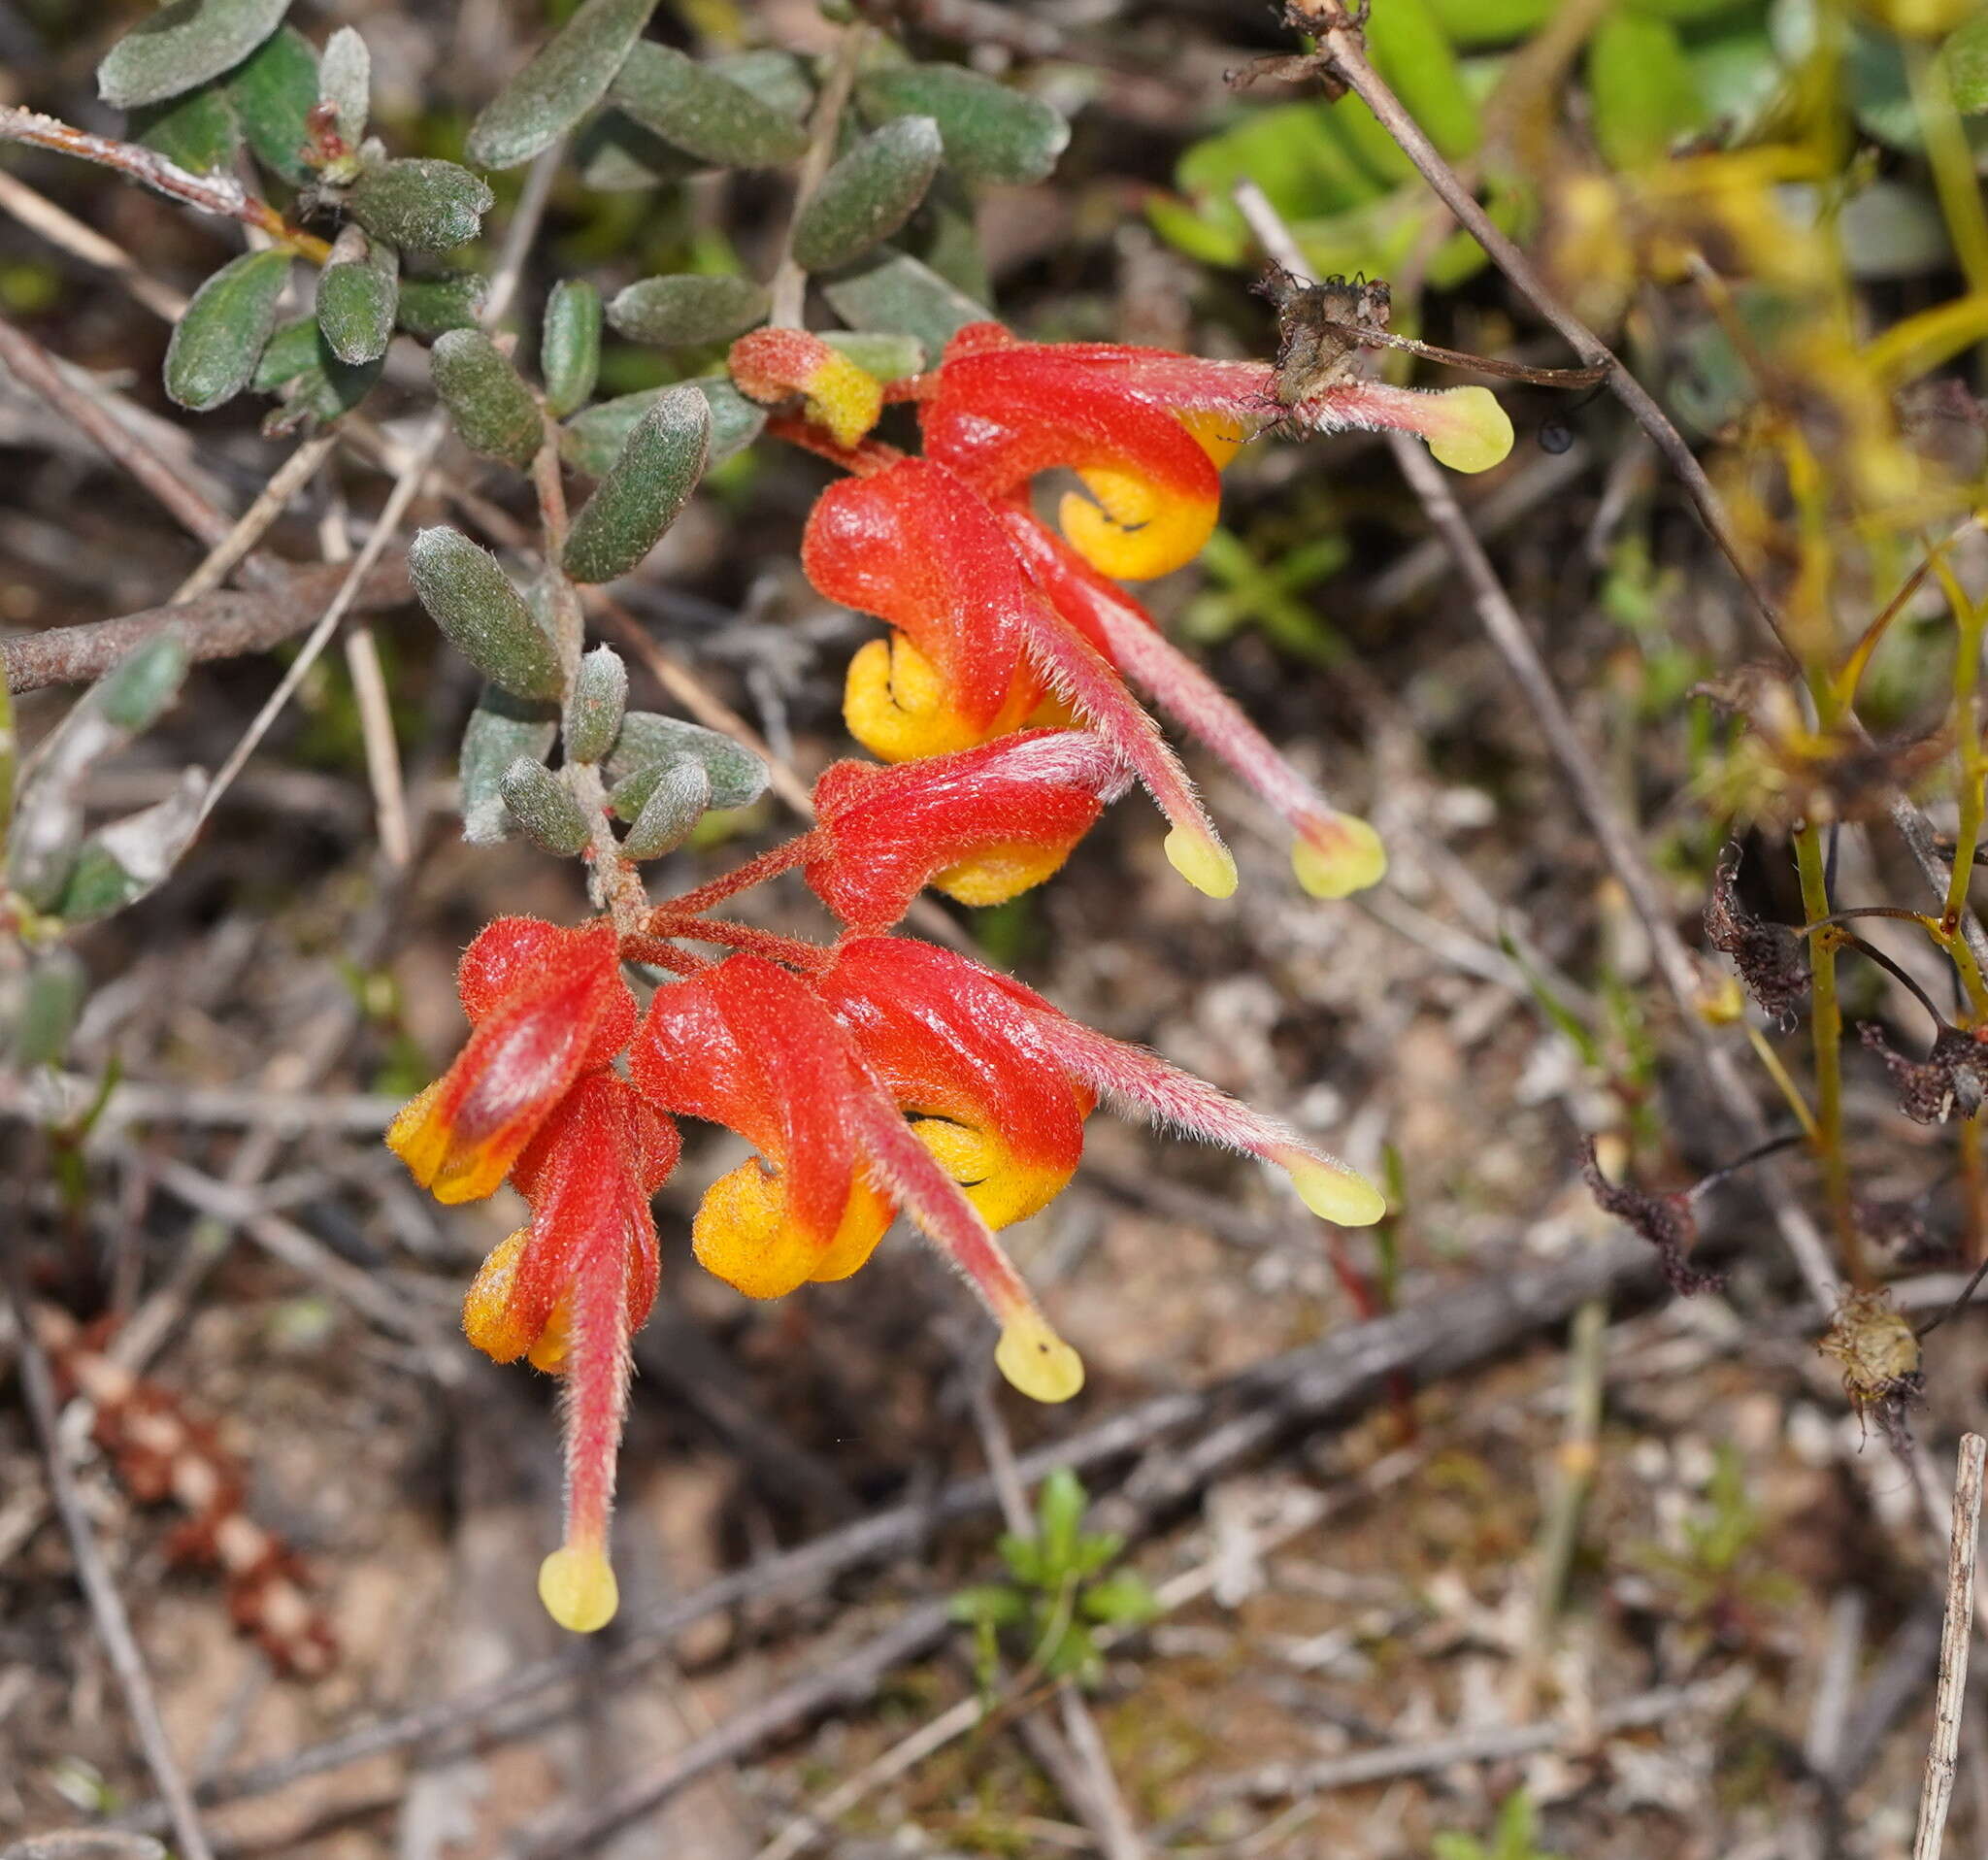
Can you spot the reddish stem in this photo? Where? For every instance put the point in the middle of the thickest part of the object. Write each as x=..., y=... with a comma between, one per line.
x=810, y=958
x=768, y=865
x=865, y=459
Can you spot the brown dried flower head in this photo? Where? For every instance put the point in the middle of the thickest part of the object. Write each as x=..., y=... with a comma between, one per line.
x=1665, y=1220
x=1769, y=957
x=1952, y=1077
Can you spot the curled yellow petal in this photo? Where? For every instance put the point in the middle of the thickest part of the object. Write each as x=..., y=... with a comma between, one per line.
x=1037, y=1361
x=1001, y=873
x=1137, y=529
x=1004, y=1186
x=578, y=1589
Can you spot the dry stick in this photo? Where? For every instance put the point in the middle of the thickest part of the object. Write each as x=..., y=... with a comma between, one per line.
x=1956, y=1630
x=107, y=1605
x=222, y=625
x=289, y=478
x=384, y=774
x=1448, y=1333
x=33, y=365
x=63, y=230
x=1514, y=644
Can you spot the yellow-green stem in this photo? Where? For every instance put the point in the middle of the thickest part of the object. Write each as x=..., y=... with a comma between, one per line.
x=1827, y=1020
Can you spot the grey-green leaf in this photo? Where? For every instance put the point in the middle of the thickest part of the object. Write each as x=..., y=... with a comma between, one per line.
x=344, y=81
x=501, y=729
x=776, y=79
x=595, y=706
x=56, y=987
x=644, y=489
x=678, y=798
x=197, y=131
x=686, y=309
x=990, y=132
x=184, y=45
x=419, y=205
x=899, y=293
x=219, y=340
x=487, y=401
x=590, y=442
x=472, y=600
x=544, y=806
x=137, y=691
x=694, y=108
x=649, y=743
x=121, y=863
x=431, y=307
x=884, y=354
x=868, y=194
x=567, y=78
x=569, y=346
x=356, y=301
x=320, y=386
x=616, y=156
x=273, y=93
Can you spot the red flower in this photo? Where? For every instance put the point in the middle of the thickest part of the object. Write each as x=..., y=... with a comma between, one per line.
x=548, y=1005
x=980, y=826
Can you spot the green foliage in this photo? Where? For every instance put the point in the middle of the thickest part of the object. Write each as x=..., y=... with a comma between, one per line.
x=1057, y=1596
x=316, y=385
x=884, y=354
x=344, y=81
x=1516, y=1837
x=677, y=311
x=357, y=298
x=271, y=93
x=217, y=342
x=869, y=194
x=431, y=307
x=569, y=346
x=57, y=985
x=990, y=132
x=697, y=109
x=1642, y=88
x=1964, y=64
x=544, y=808
x=502, y=728
x=492, y=409
x=485, y=619
x=900, y=294
x=650, y=744
x=644, y=490
x=419, y=205
x=184, y=45
x=679, y=795
x=590, y=442
x=197, y=131
x=567, y=78
x=595, y=706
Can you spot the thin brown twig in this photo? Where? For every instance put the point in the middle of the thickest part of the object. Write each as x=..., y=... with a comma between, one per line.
x=217, y=193
x=250, y=528
x=64, y=231
x=106, y=1604
x=1956, y=1635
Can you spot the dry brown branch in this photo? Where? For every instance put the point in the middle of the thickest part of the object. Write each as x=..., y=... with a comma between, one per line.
x=1956, y=1634
x=222, y=625
x=250, y=528
x=107, y=1605
x=64, y=231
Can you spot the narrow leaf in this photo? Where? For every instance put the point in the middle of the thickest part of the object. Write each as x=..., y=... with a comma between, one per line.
x=217, y=343
x=319, y=387
x=56, y=987
x=590, y=442
x=1644, y=93
x=431, y=307
x=472, y=600
x=694, y=108
x=344, y=81
x=883, y=353
x=595, y=707
x=569, y=346
x=419, y=205
x=184, y=45
x=899, y=293
x=676, y=801
x=644, y=490
x=868, y=194
x=616, y=156
x=501, y=729
x=488, y=403
x=358, y=296
x=686, y=309
x=544, y=806
x=568, y=76
x=651, y=742
x=273, y=93
x=123, y=861
x=990, y=132
x=197, y=131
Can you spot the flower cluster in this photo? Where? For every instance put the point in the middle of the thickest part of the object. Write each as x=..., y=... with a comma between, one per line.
x=877, y=1074
x=1000, y=624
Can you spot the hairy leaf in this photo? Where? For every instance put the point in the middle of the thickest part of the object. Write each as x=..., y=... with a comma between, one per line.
x=184, y=45
x=678, y=798
x=869, y=194
x=273, y=93
x=990, y=132
x=486, y=620
x=544, y=806
x=344, y=81
x=651, y=742
x=488, y=403
x=695, y=108
x=565, y=79
x=197, y=131
x=569, y=346
x=898, y=293
x=884, y=354
x=356, y=300
x=590, y=442
x=419, y=205
x=431, y=307
x=319, y=387
x=595, y=706
x=644, y=489
x=501, y=729
x=217, y=342
x=688, y=308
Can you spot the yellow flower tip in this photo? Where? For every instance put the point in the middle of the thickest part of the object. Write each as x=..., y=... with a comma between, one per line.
x=1474, y=432
x=1203, y=861
x=999, y=873
x=418, y=1137
x=486, y=1305
x=1037, y=1361
x=1135, y=531
x=1343, y=856
x=578, y=1589
x=1335, y=1193
x=1221, y=436
x=845, y=399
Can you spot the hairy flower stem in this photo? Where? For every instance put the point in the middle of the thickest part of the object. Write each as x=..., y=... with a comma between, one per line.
x=1828, y=1023
x=769, y=864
